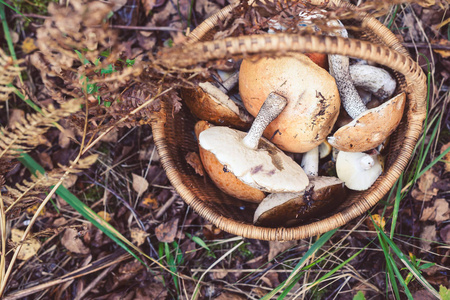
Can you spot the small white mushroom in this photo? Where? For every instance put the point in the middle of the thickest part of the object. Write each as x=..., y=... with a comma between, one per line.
x=358, y=170
x=252, y=159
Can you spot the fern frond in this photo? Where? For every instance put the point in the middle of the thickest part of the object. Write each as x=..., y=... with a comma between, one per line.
x=8, y=71
x=25, y=136
x=28, y=191
x=83, y=163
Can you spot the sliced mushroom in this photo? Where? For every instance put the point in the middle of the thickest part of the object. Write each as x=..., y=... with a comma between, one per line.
x=313, y=99
x=358, y=170
x=252, y=159
x=290, y=209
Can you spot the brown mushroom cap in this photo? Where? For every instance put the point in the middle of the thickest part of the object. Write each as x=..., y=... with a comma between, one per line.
x=225, y=180
x=291, y=209
x=313, y=99
x=370, y=128
x=209, y=103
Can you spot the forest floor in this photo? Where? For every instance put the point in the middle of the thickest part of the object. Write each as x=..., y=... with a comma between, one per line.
x=181, y=255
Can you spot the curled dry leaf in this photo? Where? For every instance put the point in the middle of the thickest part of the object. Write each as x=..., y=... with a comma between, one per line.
x=15, y=116
x=439, y=212
x=30, y=246
x=194, y=161
x=138, y=236
x=427, y=237
x=167, y=231
x=424, y=190
x=72, y=242
x=140, y=184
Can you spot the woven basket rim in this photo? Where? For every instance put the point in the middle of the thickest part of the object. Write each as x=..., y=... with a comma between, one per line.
x=392, y=55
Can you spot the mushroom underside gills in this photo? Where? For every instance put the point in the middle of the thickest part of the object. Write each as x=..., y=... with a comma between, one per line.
x=290, y=209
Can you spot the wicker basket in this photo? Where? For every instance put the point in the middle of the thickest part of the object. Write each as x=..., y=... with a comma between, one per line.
x=174, y=138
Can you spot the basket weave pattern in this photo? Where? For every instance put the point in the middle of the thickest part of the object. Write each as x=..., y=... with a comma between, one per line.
x=174, y=136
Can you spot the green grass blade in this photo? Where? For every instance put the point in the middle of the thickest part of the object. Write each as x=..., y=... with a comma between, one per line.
x=316, y=246
x=83, y=209
x=404, y=259
x=398, y=198
x=389, y=266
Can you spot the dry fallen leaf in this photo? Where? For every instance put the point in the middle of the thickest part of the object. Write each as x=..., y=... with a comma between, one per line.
x=426, y=3
x=140, y=184
x=427, y=237
x=167, y=231
x=33, y=208
x=220, y=274
x=446, y=157
x=28, y=45
x=445, y=234
x=70, y=180
x=15, y=116
x=424, y=190
x=45, y=160
x=194, y=161
x=138, y=236
x=438, y=212
x=30, y=246
x=72, y=242
x=64, y=137
x=150, y=202
x=104, y=215
x=276, y=247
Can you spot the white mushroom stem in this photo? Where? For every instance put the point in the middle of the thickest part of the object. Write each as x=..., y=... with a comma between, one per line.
x=271, y=108
x=229, y=83
x=339, y=69
x=375, y=80
x=310, y=162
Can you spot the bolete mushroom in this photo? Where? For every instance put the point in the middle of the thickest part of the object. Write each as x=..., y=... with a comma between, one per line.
x=211, y=103
x=358, y=170
x=222, y=178
x=313, y=99
x=290, y=209
x=369, y=128
x=252, y=159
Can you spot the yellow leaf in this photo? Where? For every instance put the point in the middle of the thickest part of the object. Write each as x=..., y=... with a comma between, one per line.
x=443, y=53
x=30, y=246
x=32, y=210
x=28, y=45
x=104, y=215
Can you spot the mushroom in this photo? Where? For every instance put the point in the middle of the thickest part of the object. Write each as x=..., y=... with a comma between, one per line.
x=369, y=128
x=212, y=104
x=223, y=179
x=313, y=99
x=321, y=195
x=373, y=79
x=358, y=170
x=290, y=209
x=252, y=159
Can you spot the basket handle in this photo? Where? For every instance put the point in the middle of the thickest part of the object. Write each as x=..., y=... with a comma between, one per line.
x=383, y=33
